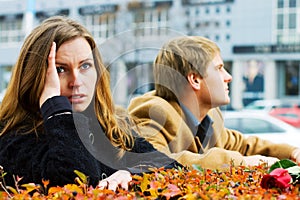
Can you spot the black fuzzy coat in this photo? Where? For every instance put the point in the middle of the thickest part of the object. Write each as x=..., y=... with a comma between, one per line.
x=71, y=141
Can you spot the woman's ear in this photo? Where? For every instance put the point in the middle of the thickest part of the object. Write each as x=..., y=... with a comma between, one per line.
x=194, y=80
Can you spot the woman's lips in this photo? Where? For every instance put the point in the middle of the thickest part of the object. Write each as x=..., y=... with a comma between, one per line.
x=77, y=98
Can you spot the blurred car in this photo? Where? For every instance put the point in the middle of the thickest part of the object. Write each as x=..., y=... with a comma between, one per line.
x=268, y=104
x=288, y=115
x=262, y=125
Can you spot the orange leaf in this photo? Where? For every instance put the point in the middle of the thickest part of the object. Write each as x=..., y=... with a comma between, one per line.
x=54, y=190
x=45, y=183
x=73, y=188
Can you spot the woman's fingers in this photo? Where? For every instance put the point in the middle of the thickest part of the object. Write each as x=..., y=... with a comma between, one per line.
x=113, y=184
x=120, y=178
x=51, y=59
x=52, y=84
x=103, y=184
x=124, y=184
x=257, y=159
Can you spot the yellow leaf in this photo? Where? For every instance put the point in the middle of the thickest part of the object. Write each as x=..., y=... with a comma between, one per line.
x=30, y=187
x=73, y=188
x=189, y=197
x=137, y=177
x=78, y=180
x=81, y=176
x=145, y=182
x=153, y=192
x=13, y=190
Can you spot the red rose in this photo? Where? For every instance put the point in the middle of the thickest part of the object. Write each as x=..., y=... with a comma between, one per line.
x=278, y=178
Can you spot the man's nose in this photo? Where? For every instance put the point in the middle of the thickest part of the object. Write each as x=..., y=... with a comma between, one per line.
x=228, y=77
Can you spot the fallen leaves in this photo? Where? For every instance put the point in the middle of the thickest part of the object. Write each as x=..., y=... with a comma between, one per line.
x=239, y=182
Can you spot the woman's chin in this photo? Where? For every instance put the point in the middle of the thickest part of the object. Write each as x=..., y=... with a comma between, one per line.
x=78, y=108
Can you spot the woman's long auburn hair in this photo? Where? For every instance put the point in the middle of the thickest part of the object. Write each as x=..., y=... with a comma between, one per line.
x=21, y=102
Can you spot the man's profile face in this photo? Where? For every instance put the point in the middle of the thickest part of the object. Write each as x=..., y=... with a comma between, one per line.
x=214, y=86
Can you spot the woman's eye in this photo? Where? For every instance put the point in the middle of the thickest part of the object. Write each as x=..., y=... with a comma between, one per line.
x=60, y=69
x=85, y=66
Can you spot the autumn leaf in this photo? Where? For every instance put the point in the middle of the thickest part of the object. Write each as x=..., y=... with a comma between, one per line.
x=145, y=182
x=73, y=188
x=30, y=187
x=53, y=190
x=239, y=182
x=172, y=191
x=13, y=190
x=82, y=176
x=45, y=183
x=198, y=168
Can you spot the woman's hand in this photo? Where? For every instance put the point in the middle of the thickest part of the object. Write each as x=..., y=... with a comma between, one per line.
x=119, y=178
x=257, y=159
x=52, y=84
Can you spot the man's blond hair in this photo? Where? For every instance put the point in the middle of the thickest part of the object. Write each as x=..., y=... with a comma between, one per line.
x=179, y=57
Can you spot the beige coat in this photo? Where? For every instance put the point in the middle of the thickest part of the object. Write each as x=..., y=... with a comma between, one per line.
x=163, y=124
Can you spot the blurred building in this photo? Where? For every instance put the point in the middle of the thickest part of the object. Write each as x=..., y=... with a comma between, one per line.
x=260, y=40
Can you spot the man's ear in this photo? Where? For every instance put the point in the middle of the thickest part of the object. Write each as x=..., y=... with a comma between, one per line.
x=194, y=80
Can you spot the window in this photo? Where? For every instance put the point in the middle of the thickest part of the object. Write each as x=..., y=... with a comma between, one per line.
x=228, y=23
x=101, y=26
x=279, y=39
x=217, y=38
x=228, y=9
x=252, y=126
x=227, y=37
x=292, y=79
x=280, y=21
x=207, y=10
x=187, y=12
x=217, y=24
x=292, y=4
x=187, y=25
x=146, y=20
x=206, y=24
x=139, y=17
x=261, y=126
x=292, y=20
x=11, y=30
x=280, y=4
x=287, y=22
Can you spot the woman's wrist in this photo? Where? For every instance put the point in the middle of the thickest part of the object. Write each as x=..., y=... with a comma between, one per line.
x=58, y=114
x=55, y=105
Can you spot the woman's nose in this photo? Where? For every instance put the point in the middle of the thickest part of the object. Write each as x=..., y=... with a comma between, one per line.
x=75, y=80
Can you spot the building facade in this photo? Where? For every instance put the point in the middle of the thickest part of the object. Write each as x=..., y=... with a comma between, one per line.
x=259, y=40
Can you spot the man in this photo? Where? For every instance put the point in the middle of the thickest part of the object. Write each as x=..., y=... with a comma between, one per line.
x=181, y=117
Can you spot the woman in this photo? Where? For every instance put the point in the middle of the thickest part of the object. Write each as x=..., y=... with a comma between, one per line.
x=58, y=115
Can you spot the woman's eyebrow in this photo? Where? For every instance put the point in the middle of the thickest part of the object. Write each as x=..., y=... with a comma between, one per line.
x=87, y=60
x=82, y=61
